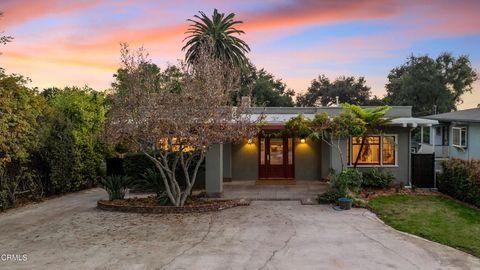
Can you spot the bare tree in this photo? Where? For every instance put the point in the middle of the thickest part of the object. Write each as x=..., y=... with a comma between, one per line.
x=175, y=129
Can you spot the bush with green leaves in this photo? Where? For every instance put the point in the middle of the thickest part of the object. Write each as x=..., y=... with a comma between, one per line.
x=461, y=180
x=378, y=178
x=116, y=186
x=72, y=150
x=341, y=185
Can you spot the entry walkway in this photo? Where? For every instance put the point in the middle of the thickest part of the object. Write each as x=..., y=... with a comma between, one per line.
x=302, y=190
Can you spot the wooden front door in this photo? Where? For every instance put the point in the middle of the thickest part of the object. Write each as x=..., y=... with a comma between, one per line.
x=276, y=157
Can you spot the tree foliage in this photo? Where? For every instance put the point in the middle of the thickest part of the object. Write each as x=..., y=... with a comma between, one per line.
x=219, y=32
x=161, y=80
x=72, y=150
x=175, y=129
x=20, y=115
x=331, y=130
x=323, y=92
x=373, y=119
x=264, y=88
x=426, y=83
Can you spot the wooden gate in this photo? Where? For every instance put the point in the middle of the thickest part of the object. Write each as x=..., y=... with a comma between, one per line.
x=423, y=170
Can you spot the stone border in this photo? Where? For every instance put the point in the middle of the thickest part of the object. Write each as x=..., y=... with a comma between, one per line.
x=216, y=205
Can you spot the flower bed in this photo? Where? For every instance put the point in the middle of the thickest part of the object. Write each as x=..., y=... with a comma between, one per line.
x=148, y=205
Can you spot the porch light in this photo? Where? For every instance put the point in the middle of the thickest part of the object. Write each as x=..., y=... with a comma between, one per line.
x=249, y=141
x=302, y=140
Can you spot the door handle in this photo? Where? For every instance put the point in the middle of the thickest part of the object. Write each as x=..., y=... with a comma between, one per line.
x=268, y=157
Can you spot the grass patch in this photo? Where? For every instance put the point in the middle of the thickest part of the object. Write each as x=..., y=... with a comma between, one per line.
x=433, y=217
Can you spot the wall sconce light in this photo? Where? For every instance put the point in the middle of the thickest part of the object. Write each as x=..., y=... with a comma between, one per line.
x=302, y=140
x=249, y=141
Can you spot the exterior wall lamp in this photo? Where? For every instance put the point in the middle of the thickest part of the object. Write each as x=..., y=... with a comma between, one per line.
x=249, y=141
x=302, y=140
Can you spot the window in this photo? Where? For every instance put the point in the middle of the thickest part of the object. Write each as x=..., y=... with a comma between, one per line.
x=388, y=150
x=459, y=137
x=290, y=151
x=370, y=154
x=377, y=150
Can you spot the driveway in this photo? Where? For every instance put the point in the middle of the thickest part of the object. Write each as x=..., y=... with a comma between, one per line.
x=70, y=233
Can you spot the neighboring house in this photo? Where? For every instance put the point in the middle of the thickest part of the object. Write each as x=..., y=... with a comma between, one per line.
x=269, y=156
x=457, y=135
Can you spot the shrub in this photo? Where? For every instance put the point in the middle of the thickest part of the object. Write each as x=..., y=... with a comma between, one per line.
x=152, y=180
x=378, y=178
x=136, y=164
x=461, y=180
x=116, y=186
x=341, y=184
x=351, y=179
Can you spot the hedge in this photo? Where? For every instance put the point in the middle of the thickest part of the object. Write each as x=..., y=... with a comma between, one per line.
x=461, y=180
x=136, y=164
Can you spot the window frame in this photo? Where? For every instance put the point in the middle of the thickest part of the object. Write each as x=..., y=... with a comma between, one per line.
x=349, y=152
x=464, y=130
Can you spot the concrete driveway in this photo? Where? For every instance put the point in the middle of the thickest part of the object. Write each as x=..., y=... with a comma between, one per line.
x=70, y=233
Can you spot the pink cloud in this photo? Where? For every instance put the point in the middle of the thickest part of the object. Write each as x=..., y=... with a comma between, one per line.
x=20, y=11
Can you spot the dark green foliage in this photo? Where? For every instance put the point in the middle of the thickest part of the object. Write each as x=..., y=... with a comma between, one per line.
x=331, y=196
x=154, y=79
x=116, y=186
x=136, y=164
x=461, y=180
x=218, y=31
x=341, y=184
x=264, y=88
x=152, y=180
x=350, y=179
x=378, y=178
x=426, y=83
x=322, y=92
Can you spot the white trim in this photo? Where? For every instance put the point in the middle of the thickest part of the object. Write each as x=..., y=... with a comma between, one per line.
x=464, y=130
x=381, y=165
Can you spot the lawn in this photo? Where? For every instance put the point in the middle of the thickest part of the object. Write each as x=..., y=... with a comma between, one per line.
x=433, y=217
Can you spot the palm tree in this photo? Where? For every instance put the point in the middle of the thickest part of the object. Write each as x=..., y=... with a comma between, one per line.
x=374, y=119
x=219, y=31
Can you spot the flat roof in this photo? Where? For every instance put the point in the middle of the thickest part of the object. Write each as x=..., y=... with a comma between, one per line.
x=289, y=112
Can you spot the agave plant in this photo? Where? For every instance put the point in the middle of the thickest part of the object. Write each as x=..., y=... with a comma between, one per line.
x=116, y=186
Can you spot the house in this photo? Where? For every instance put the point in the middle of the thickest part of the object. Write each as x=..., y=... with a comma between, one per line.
x=274, y=157
x=457, y=135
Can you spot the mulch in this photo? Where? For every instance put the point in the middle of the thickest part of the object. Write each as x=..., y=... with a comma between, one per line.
x=366, y=194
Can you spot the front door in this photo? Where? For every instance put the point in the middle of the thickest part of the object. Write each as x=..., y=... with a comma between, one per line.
x=276, y=157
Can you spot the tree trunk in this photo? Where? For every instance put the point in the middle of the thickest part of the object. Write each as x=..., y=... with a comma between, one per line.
x=364, y=137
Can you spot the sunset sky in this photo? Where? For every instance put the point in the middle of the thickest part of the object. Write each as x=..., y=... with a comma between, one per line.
x=60, y=42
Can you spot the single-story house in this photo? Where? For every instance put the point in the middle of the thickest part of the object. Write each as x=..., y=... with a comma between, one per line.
x=274, y=157
x=457, y=135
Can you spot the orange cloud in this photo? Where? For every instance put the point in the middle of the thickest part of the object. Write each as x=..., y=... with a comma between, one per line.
x=20, y=11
